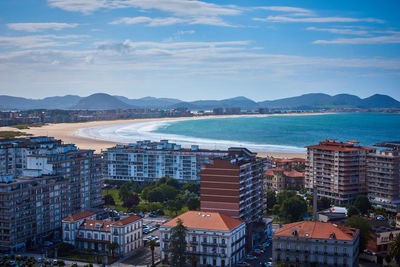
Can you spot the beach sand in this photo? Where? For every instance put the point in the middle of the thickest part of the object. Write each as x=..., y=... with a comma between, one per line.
x=67, y=133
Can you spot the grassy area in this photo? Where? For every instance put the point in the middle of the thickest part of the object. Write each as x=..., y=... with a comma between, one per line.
x=86, y=258
x=12, y=134
x=27, y=126
x=172, y=214
x=118, y=202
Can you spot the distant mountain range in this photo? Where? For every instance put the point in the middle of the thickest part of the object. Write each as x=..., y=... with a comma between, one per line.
x=103, y=101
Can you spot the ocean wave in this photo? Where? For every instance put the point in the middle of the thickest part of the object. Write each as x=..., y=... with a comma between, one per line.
x=132, y=132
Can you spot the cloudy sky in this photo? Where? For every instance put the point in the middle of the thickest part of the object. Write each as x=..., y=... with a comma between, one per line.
x=199, y=49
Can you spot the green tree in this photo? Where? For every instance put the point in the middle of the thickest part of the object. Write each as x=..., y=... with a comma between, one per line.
x=352, y=210
x=191, y=187
x=112, y=247
x=364, y=226
x=64, y=248
x=174, y=205
x=193, y=203
x=293, y=209
x=283, y=195
x=178, y=244
x=380, y=211
x=132, y=201
x=124, y=192
x=152, y=245
x=109, y=200
x=323, y=203
x=271, y=199
x=169, y=192
x=156, y=195
x=362, y=204
x=394, y=249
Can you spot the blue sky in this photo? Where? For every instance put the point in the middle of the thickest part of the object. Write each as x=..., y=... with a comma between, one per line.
x=199, y=49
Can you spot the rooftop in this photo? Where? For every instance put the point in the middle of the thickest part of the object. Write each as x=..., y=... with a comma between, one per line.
x=272, y=159
x=317, y=230
x=79, y=216
x=205, y=220
x=334, y=145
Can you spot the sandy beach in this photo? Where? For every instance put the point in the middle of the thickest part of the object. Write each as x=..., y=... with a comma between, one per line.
x=68, y=133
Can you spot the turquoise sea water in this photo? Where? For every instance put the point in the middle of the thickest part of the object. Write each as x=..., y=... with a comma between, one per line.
x=296, y=131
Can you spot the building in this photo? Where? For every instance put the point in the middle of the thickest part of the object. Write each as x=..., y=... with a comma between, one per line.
x=214, y=238
x=383, y=176
x=43, y=181
x=278, y=179
x=337, y=170
x=233, y=185
x=148, y=161
x=287, y=164
x=84, y=232
x=319, y=243
x=398, y=220
x=383, y=234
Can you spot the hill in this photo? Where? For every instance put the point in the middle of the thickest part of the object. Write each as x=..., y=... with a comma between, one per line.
x=101, y=101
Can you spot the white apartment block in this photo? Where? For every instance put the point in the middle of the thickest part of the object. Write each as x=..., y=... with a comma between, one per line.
x=147, y=161
x=310, y=243
x=85, y=232
x=214, y=238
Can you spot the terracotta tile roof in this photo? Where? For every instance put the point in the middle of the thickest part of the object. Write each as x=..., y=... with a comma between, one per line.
x=127, y=220
x=398, y=215
x=294, y=174
x=271, y=171
x=92, y=224
x=206, y=220
x=287, y=160
x=340, y=146
x=79, y=216
x=318, y=230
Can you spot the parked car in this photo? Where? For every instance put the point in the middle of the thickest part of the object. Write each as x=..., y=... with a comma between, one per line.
x=255, y=253
x=243, y=263
x=250, y=257
x=259, y=250
x=152, y=215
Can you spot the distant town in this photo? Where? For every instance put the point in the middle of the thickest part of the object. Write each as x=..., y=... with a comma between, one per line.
x=157, y=203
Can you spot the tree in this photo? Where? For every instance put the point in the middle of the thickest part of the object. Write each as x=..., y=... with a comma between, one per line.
x=132, y=201
x=178, y=244
x=109, y=200
x=193, y=203
x=358, y=222
x=283, y=195
x=271, y=199
x=64, y=248
x=112, y=247
x=124, y=192
x=323, y=203
x=191, y=187
x=193, y=259
x=174, y=205
x=362, y=204
x=394, y=249
x=293, y=209
x=156, y=195
x=352, y=210
x=152, y=245
x=380, y=211
x=169, y=192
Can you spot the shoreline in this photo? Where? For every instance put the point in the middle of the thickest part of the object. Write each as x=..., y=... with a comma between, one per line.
x=68, y=132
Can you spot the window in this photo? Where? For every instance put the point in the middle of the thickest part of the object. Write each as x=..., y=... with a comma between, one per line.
x=205, y=239
x=223, y=241
x=214, y=240
x=194, y=239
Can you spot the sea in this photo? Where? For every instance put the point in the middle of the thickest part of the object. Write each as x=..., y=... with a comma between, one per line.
x=278, y=133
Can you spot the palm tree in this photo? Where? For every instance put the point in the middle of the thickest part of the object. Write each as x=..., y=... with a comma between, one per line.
x=152, y=245
x=394, y=249
x=112, y=247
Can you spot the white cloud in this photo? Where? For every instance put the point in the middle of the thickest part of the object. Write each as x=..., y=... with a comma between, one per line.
x=347, y=31
x=389, y=39
x=36, y=27
x=316, y=19
x=37, y=41
x=152, y=22
x=295, y=11
x=177, y=7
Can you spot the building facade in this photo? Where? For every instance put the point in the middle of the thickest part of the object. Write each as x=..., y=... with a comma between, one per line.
x=147, y=161
x=233, y=185
x=319, y=243
x=337, y=170
x=43, y=181
x=287, y=164
x=84, y=232
x=214, y=238
x=278, y=179
x=383, y=176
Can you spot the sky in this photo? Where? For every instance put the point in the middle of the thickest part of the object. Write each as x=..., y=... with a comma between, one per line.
x=195, y=50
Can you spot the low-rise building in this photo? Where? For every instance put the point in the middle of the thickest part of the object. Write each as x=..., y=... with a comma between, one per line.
x=287, y=164
x=278, y=179
x=86, y=233
x=214, y=238
x=323, y=244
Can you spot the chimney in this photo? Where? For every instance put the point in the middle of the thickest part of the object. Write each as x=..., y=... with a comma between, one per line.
x=315, y=204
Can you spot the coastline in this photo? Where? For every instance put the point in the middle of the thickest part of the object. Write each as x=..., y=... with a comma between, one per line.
x=68, y=132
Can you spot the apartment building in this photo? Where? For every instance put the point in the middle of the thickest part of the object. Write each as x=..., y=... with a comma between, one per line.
x=287, y=164
x=214, y=238
x=337, y=169
x=383, y=176
x=31, y=209
x=233, y=185
x=84, y=232
x=310, y=243
x=55, y=180
x=278, y=179
x=147, y=161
